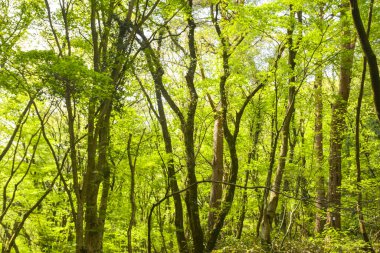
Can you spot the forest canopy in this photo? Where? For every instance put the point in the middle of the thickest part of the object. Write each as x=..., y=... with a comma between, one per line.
x=189, y=126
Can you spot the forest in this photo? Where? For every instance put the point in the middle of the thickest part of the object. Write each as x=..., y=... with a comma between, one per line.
x=189, y=126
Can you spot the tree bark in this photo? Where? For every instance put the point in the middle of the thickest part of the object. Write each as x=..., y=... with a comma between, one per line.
x=255, y=131
x=243, y=208
x=359, y=207
x=270, y=209
x=275, y=135
x=338, y=125
x=74, y=163
x=187, y=127
x=318, y=149
x=191, y=197
x=180, y=231
x=217, y=168
x=132, y=219
x=157, y=72
x=231, y=139
x=371, y=57
x=99, y=114
x=132, y=197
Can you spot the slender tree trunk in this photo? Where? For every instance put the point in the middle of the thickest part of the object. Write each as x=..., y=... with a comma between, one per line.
x=285, y=212
x=257, y=127
x=132, y=219
x=270, y=209
x=275, y=134
x=191, y=197
x=79, y=232
x=74, y=163
x=371, y=57
x=318, y=149
x=283, y=219
x=132, y=197
x=255, y=131
x=275, y=138
x=338, y=125
x=230, y=137
x=217, y=169
x=157, y=73
x=180, y=231
x=362, y=227
x=243, y=208
x=187, y=128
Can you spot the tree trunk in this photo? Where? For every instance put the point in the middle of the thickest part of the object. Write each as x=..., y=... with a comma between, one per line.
x=231, y=138
x=187, y=128
x=178, y=220
x=132, y=219
x=243, y=208
x=217, y=169
x=255, y=131
x=338, y=125
x=362, y=227
x=270, y=208
x=371, y=57
x=191, y=197
x=157, y=73
x=318, y=149
x=268, y=181
x=100, y=173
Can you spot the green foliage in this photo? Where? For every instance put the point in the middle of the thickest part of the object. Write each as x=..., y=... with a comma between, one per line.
x=255, y=36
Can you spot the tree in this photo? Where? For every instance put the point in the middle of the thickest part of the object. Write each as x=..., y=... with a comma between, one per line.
x=339, y=109
x=371, y=57
x=107, y=133
x=271, y=206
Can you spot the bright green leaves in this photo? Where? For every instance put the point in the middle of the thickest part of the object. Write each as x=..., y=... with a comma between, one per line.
x=40, y=70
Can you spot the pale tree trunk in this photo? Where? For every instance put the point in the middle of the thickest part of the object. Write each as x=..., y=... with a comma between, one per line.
x=274, y=142
x=286, y=187
x=338, y=124
x=217, y=168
